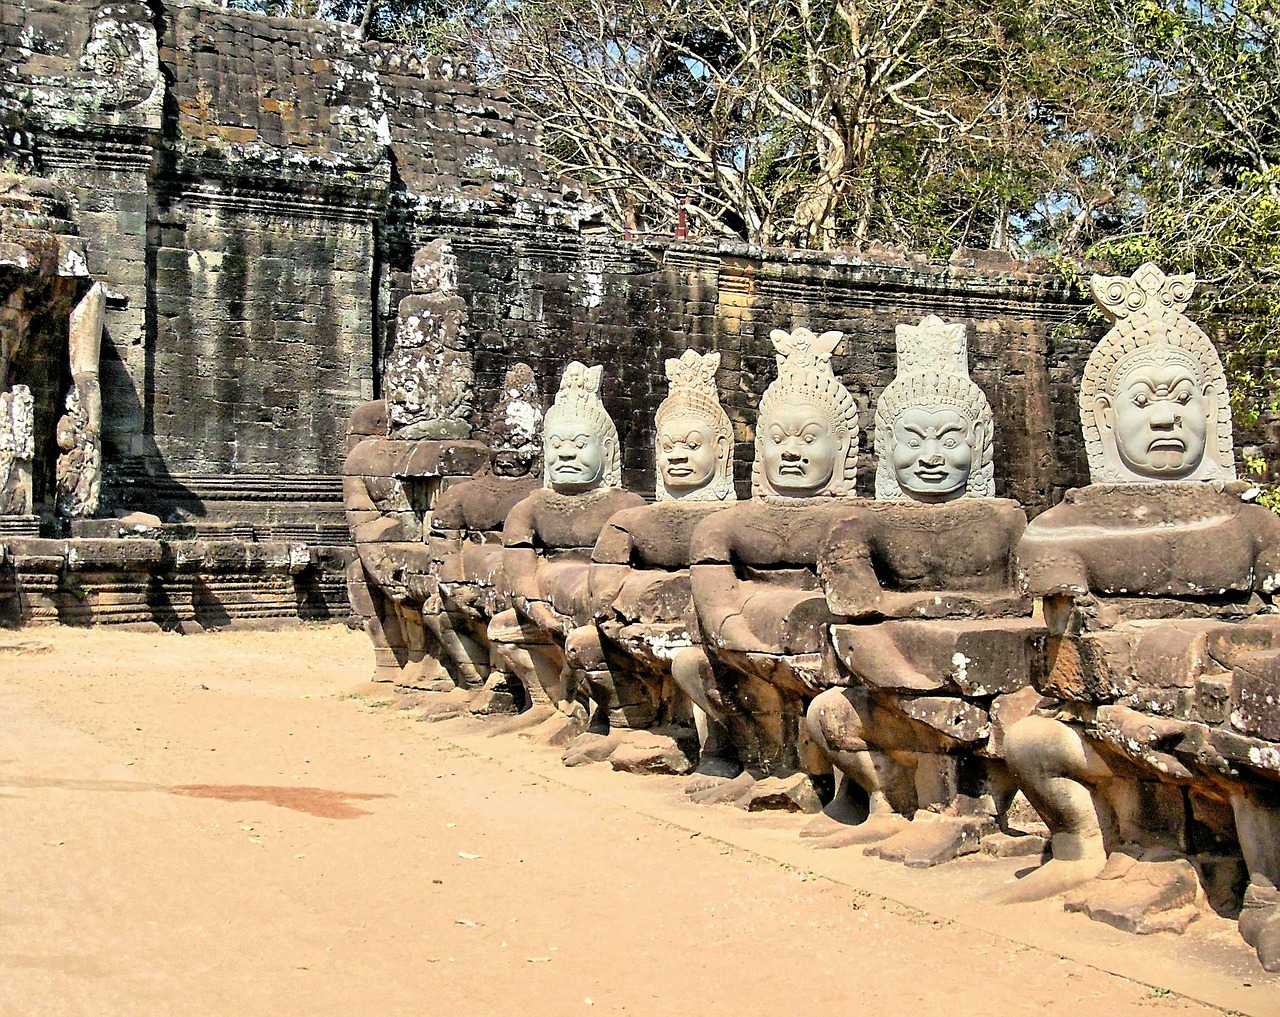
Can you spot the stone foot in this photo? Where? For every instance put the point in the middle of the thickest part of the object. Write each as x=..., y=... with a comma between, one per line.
x=591, y=748
x=876, y=828
x=928, y=842
x=1076, y=860
x=823, y=825
x=840, y=814
x=445, y=705
x=557, y=731
x=531, y=717
x=1005, y=845
x=1140, y=895
x=795, y=793
x=1260, y=927
x=493, y=698
x=650, y=752
x=721, y=790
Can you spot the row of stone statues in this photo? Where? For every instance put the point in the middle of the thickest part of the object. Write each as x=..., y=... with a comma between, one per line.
x=881, y=661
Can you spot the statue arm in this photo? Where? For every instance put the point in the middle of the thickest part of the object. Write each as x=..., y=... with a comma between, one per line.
x=610, y=567
x=521, y=566
x=846, y=571
x=1267, y=562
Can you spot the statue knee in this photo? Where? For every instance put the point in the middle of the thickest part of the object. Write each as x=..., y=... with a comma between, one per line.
x=1037, y=748
x=688, y=670
x=582, y=649
x=833, y=721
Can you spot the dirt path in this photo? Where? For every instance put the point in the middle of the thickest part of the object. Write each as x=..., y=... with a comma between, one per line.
x=214, y=825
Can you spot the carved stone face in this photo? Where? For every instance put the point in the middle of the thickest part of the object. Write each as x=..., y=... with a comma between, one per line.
x=576, y=456
x=932, y=453
x=1159, y=415
x=512, y=461
x=688, y=452
x=799, y=449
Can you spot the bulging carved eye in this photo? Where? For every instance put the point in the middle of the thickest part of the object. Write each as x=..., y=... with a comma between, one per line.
x=808, y=439
x=1141, y=400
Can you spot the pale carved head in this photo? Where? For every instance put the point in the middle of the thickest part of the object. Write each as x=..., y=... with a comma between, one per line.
x=693, y=444
x=580, y=442
x=807, y=430
x=516, y=425
x=933, y=424
x=1153, y=401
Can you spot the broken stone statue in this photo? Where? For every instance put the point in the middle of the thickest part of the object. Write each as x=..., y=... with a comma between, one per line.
x=1155, y=756
x=639, y=585
x=760, y=607
x=466, y=541
x=79, y=431
x=939, y=646
x=548, y=539
x=403, y=450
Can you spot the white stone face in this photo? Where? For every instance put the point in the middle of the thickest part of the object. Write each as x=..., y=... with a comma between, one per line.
x=933, y=424
x=1154, y=404
x=800, y=449
x=932, y=453
x=1160, y=419
x=688, y=453
x=575, y=455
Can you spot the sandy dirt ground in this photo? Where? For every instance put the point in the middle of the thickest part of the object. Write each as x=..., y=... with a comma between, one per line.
x=218, y=824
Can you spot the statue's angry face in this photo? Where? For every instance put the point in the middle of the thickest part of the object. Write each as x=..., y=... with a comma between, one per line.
x=800, y=448
x=689, y=451
x=932, y=452
x=576, y=456
x=1159, y=412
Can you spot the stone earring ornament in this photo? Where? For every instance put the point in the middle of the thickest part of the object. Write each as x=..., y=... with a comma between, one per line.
x=1153, y=400
x=807, y=429
x=693, y=439
x=933, y=424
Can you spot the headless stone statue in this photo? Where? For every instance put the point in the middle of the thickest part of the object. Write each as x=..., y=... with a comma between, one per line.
x=79, y=431
x=17, y=451
x=639, y=579
x=760, y=609
x=548, y=539
x=938, y=639
x=403, y=450
x=466, y=535
x=1153, y=759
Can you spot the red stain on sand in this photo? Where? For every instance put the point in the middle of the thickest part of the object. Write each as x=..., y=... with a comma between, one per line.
x=317, y=801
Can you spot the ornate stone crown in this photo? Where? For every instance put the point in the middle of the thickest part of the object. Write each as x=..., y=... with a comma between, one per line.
x=693, y=394
x=933, y=373
x=1150, y=328
x=579, y=400
x=805, y=375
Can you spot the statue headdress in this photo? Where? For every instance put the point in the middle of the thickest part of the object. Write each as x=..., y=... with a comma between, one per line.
x=1148, y=325
x=579, y=398
x=933, y=373
x=804, y=373
x=693, y=394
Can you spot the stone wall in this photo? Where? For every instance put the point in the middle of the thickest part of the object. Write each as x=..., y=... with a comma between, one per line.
x=253, y=191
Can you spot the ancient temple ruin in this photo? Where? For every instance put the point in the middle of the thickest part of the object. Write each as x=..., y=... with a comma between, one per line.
x=906, y=545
